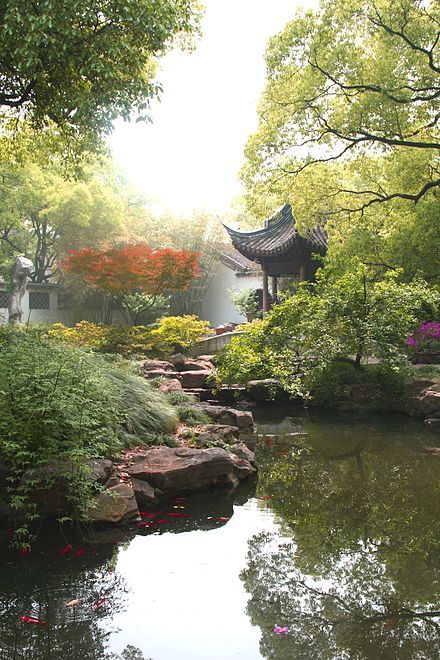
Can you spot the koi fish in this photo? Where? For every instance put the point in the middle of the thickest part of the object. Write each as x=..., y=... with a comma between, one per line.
x=32, y=619
x=99, y=603
x=173, y=514
x=160, y=521
x=79, y=552
x=144, y=524
x=147, y=514
x=265, y=497
x=65, y=550
x=73, y=603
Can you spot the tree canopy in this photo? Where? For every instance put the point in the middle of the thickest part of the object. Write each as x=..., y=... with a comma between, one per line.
x=353, y=86
x=134, y=275
x=78, y=65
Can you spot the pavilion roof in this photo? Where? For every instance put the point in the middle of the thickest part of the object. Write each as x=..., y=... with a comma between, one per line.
x=277, y=236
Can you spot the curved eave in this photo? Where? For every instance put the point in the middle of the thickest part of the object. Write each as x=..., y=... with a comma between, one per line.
x=274, y=239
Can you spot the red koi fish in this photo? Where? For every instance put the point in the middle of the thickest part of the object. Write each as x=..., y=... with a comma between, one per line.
x=79, y=552
x=173, y=514
x=265, y=497
x=160, y=521
x=99, y=603
x=147, y=514
x=144, y=524
x=32, y=619
x=66, y=550
x=220, y=518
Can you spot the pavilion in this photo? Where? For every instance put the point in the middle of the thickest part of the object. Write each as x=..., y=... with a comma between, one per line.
x=281, y=250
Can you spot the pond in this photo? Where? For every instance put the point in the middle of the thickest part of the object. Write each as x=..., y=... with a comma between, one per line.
x=336, y=545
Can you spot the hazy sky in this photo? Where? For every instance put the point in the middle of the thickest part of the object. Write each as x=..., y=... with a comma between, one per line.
x=190, y=156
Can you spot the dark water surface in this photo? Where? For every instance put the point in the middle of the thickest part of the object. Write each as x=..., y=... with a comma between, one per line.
x=337, y=543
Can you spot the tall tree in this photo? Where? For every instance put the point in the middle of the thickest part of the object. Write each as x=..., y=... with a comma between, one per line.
x=79, y=64
x=348, y=82
x=42, y=215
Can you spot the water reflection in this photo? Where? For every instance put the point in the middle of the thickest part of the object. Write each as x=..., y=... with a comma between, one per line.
x=355, y=573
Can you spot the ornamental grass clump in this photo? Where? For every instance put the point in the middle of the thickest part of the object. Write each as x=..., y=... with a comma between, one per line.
x=61, y=407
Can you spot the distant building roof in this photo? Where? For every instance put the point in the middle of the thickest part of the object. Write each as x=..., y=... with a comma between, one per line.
x=277, y=236
x=229, y=256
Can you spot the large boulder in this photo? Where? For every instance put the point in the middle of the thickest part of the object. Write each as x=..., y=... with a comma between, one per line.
x=268, y=389
x=171, y=385
x=422, y=397
x=114, y=505
x=195, y=379
x=143, y=492
x=183, y=468
x=154, y=365
x=161, y=373
x=243, y=419
x=182, y=363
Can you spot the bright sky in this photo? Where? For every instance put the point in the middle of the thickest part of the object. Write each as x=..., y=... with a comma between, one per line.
x=189, y=158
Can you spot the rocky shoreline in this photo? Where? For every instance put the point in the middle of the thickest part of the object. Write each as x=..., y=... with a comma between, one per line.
x=215, y=454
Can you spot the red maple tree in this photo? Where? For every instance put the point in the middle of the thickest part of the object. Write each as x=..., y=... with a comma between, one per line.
x=123, y=272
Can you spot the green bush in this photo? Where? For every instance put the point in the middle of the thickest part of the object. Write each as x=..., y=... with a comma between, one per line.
x=349, y=317
x=179, y=333
x=122, y=339
x=62, y=406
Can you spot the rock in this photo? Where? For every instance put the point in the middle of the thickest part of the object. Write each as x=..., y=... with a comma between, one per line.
x=243, y=419
x=173, y=469
x=242, y=451
x=423, y=401
x=154, y=365
x=114, y=505
x=101, y=470
x=161, y=373
x=193, y=379
x=414, y=386
x=197, y=365
x=242, y=467
x=268, y=389
x=143, y=492
x=182, y=363
x=230, y=434
x=171, y=385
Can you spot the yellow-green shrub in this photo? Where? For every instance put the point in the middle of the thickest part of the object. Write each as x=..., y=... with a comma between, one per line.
x=122, y=339
x=179, y=333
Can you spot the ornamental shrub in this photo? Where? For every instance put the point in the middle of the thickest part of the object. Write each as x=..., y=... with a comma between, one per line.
x=179, y=333
x=348, y=318
x=61, y=407
x=425, y=338
x=122, y=339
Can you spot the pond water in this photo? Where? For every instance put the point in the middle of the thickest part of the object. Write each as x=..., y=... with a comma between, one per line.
x=336, y=543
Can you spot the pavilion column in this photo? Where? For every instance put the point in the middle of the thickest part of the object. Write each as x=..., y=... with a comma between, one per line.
x=302, y=272
x=274, y=288
x=265, y=290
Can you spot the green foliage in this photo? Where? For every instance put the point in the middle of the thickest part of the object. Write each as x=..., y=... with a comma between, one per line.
x=179, y=333
x=192, y=416
x=77, y=65
x=339, y=318
x=246, y=303
x=60, y=407
x=122, y=339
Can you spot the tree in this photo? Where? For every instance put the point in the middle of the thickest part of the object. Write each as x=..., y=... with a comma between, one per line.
x=42, y=214
x=77, y=65
x=135, y=275
x=339, y=319
x=354, y=85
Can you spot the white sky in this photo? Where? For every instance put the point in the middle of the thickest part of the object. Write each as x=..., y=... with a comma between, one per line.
x=189, y=158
